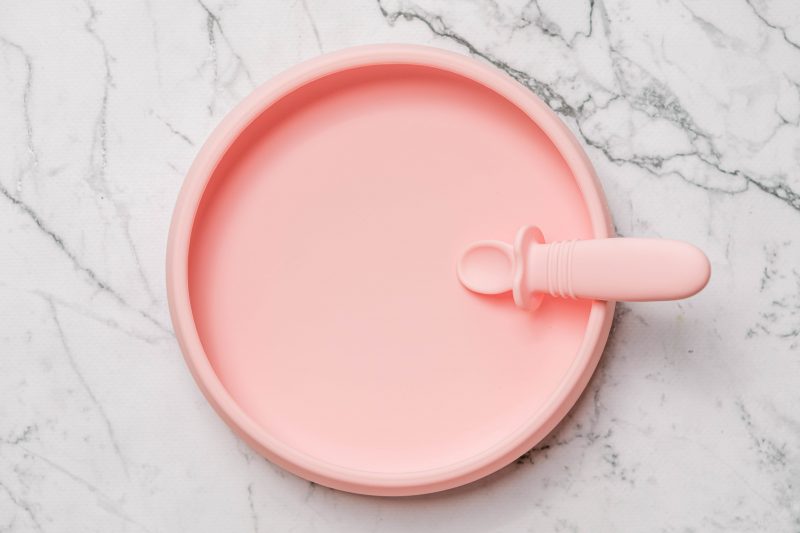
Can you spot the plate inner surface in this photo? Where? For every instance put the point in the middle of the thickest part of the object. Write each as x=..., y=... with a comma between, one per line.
x=322, y=269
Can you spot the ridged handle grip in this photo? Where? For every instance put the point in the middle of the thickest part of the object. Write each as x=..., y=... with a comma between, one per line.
x=618, y=269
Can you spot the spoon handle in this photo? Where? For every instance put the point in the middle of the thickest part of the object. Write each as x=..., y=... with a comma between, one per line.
x=618, y=269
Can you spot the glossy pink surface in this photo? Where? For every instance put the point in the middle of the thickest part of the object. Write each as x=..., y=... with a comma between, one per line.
x=313, y=282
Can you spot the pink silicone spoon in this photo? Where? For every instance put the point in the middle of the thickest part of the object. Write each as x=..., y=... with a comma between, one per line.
x=598, y=269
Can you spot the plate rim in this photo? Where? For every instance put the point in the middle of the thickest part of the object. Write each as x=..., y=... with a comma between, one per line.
x=177, y=279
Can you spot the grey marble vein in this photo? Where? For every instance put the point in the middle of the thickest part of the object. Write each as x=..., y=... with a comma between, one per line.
x=87, y=389
x=639, y=89
x=313, y=24
x=99, y=150
x=26, y=111
x=214, y=26
x=690, y=112
x=73, y=258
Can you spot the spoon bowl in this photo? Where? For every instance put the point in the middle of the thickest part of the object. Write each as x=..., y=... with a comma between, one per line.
x=487, y=267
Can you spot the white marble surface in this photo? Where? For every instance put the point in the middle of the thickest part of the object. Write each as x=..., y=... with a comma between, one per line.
x=690, y=111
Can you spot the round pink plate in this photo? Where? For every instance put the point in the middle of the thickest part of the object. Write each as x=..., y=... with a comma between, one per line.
x=312, y=270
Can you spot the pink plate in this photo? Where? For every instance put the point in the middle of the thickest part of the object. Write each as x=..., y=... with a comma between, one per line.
x=312, y=270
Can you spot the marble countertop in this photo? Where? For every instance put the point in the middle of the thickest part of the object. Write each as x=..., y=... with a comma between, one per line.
x=690, y=111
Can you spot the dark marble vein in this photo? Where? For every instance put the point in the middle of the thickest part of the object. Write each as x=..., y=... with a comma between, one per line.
x=100, y=319
x=773, y=26
x=21, y=504
x=251, y=505
x=175, y=131
x=550, y=28
x=649, y=96
x=99, y=152
x=437, y=26
x=76, y=263
x=26, y=109
x=25, y=436
x=87, y=389
x=213, y=25
x=770, y=453
x=108, y=503
x=313, y=24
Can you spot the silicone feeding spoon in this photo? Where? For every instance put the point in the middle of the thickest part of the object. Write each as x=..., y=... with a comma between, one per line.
x=599, y=269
